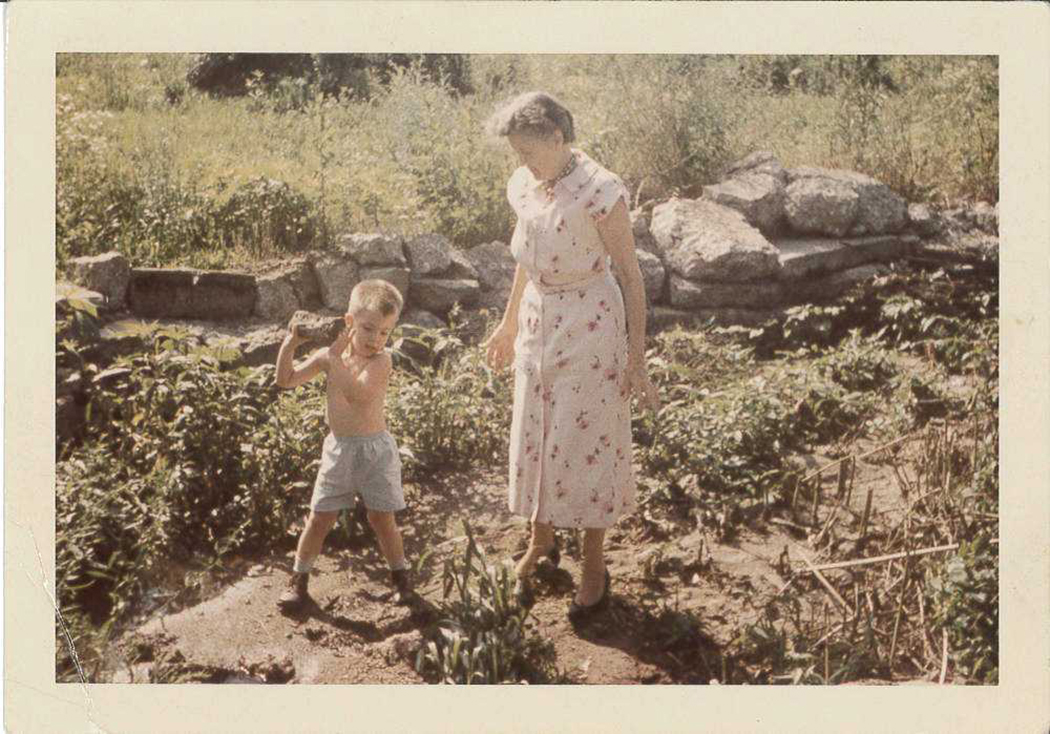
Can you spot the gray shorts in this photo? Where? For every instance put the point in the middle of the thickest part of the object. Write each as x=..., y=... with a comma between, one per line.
x=368, y=466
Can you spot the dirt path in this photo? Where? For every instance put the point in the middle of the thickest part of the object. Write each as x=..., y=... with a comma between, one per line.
x=665, y=573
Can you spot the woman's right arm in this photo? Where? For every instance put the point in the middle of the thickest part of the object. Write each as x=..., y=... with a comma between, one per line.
x=501, y=344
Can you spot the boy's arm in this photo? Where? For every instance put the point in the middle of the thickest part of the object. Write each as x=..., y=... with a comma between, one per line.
x=288, y=375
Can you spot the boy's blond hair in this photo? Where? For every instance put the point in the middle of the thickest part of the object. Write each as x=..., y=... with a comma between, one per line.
x=375, y=295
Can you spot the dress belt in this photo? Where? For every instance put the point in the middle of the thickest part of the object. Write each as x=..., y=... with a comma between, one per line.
x=584, y=284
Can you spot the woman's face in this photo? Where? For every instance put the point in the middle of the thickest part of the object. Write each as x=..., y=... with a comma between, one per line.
x=543, y=155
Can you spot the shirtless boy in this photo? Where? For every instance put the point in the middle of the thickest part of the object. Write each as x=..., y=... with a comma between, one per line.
x=359, y=457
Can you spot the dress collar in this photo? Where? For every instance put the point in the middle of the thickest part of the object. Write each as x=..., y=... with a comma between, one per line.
x=575, y=178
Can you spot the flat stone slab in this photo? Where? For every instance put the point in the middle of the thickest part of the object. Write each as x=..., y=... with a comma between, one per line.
x=879, y=248
x=811, y=256
x=191, y=294
x=829, y=287
x=693, y=295
x=439, y=294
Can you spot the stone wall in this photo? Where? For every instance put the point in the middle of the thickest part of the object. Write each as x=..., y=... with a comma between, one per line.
x=761, y=240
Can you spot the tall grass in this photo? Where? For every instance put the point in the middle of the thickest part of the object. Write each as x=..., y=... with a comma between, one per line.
x=146, y=164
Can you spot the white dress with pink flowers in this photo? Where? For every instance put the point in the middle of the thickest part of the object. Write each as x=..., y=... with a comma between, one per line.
x=570, y=439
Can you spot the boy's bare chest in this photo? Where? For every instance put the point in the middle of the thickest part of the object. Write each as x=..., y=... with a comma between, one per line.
x=344, y=376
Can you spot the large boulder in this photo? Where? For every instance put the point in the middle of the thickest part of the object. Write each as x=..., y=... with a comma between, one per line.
x=277, y=299
x=654, y=274
x=495, y=272
x=461, y=267
x=821, y=206
x=820, y=193
x=702, y=240
x=923, y=221
x=191, y=294
x=428, y=254
x=643, y=238
x=397, y=277
x=440, y=294
x=336, y=277
x=108, y=274
x=758, y=196
x=373, y=249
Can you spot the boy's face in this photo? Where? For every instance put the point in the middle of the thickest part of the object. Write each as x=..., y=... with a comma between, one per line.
x=369, y=331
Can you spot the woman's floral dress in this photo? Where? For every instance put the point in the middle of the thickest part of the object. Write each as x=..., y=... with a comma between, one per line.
x=570, y=439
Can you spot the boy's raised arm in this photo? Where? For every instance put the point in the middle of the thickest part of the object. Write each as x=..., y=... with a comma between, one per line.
x=288, y=375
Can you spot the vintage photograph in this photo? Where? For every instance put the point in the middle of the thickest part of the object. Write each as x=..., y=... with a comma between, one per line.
x=454, y=368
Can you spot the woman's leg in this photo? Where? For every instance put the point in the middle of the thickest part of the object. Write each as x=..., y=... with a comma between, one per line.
x=592, y=581
x=541, y=541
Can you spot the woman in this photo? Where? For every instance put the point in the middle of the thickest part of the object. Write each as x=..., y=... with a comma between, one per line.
x=564, y=328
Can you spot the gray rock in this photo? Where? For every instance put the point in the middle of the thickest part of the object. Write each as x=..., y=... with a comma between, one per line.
x=191, y=294
x=108, y=274
x=761, y=161
x=924, y=221
x=662, y=317
x=277, y=299
x=702, y=240
x=877, y=210
x=373, y=249
x=758, y=196
x=317, y=328
x=805, y=258
x=300, y=274
x=462, y=267
x=693, y=295
x=428, y=254
x=495, y=268
x=439, y=294
x=336, y=277
x=654, y=276
x=397, y=277
x=417, y=318
x=819, y=205
x=831, y=286
x=878, y=249
x=643, y=238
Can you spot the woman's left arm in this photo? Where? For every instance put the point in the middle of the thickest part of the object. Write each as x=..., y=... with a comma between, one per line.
x=618, y=238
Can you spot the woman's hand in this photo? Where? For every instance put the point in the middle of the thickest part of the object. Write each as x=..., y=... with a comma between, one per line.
x=637, y=382
x=500, y=346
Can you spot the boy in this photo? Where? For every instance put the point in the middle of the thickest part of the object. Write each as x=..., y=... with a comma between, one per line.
x=359, y=455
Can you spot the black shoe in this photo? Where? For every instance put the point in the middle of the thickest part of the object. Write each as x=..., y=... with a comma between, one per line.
x=296, y=595
x=580, y=612
x=524, y=594
x=405, y=594
x=554, y=554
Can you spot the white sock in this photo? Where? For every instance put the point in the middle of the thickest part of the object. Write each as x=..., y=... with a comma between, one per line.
x=399, y=565
x=303, y=565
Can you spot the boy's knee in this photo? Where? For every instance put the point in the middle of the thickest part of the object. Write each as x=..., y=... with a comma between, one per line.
x=322, y=520
x=380, y=520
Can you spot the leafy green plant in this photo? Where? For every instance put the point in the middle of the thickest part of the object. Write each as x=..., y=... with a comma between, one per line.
x=483, y=636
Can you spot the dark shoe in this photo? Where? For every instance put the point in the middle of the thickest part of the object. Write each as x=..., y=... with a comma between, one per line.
x=296, y=595
x=524, y=594
x=554, y=554
x=405, y=594
x=580, y=612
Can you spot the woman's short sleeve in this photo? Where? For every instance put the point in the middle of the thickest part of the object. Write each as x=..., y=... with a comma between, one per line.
x=606, y=190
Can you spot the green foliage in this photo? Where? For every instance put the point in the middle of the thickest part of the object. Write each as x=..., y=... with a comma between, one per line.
x=964, y=597
x=483, y=636
x=266, y=215
x=451, y=414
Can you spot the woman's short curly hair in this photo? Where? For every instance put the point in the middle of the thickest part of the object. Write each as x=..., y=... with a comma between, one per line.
x=532, y=113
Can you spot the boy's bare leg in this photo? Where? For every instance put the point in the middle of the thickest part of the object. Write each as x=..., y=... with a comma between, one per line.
x=318, y=525
x=592, y=581
x=389, y=538
x=541, y=541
